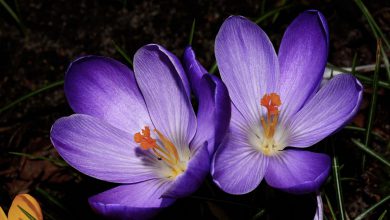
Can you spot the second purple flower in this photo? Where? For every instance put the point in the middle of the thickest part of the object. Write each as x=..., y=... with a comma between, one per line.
x=277, y=106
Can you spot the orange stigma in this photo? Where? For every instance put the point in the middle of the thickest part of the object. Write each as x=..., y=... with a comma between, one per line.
x=144, y=140
x=166, y=152
x=271, y=102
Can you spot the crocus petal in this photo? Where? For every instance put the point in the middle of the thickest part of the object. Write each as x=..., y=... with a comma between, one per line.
x=178, y=68
x=237, y=168
x=165, y=96
x=135, y=201
x=29, y=204
x=297, y=172
x=197, y=170
x=106, y=89
x=213, y=113
x=320, y=208
x=247, y=63
x=99, y=149
x=332, y=107
x=302, y=56
x=2, y=215
x=194, y=69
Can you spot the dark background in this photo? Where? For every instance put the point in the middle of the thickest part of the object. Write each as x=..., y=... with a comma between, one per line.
x=57, y=32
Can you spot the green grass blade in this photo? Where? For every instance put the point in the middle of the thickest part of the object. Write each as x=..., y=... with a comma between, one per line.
x=28, y=215
x=17, y=8
x=374, y=98
x=372, y=208
x=371, y=152
x=374, y=94
x=354, y=64
x=275, y=17
x=17, y=101
x=48, y=215
x=213, y=68
x=354, y=128
x=337, y=181
x=330, y=206
x=53, y=200
x=259, y=214
x=262, y=7
x=382, y=215
x=370, y=81
x=13, y=15
x=361, y=77
x=192, y=33
x=373, y=25
x=386, y=62
x=272, y=13
x=33, y=157
x=122, y=53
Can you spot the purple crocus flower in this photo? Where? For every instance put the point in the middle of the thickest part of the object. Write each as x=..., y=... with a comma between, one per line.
x=139, y=129
x=278, y=107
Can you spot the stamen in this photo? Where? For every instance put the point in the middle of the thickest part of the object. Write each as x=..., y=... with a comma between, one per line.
x=271, y=102
x=167, y=152
x=168, y=144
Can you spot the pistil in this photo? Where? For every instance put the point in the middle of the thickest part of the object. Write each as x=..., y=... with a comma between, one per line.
x=271, y=102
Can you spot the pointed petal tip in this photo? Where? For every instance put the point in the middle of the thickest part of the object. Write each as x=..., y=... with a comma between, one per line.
x=92, y=58
x=322, y=20
x=88, y=87
x=193, y=69
x=146, y=52
x=188, y=49
x=238, y=17
x=247, y=63
x=166, y=91
x=237, y=20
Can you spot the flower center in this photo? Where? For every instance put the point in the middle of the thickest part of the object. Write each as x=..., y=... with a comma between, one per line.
x=271, y=102
x=166, y=151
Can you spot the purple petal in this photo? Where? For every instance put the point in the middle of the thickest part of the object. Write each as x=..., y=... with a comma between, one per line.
x=214, y=103
x=247, y=63
x=332, y=107
x=194, y=69
x=297, y=172
x=320, y=208
x=192, y=178
x=213, y=113
x=135, y=201
x=106, y=89
x=165, y=95
x=98, y=149
x=176, y=64
x=302, y=56
x=237, y=168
